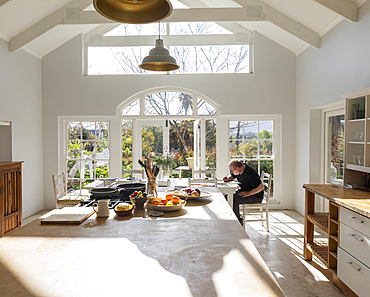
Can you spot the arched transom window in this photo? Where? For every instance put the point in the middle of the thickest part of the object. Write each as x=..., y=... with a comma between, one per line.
x=175, y=125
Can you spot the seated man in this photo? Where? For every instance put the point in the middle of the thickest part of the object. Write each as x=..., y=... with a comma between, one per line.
x=251, y=187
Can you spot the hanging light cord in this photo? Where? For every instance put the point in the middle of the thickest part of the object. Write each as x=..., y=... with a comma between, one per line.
x=159, y=29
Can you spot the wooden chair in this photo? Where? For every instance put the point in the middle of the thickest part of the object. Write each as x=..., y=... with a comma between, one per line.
x=200, y=176
x=132, y=172
x=262, y=207
x=60, y=192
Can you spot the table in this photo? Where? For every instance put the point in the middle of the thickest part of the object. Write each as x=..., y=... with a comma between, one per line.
x=184, y=168
x=200, y=250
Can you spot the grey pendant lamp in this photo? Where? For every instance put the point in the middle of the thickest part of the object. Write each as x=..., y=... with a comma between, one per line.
x=159, y=58
x=134, y=11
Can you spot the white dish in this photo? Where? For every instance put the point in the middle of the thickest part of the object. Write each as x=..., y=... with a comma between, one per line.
x=167, y=208
x=203, y=194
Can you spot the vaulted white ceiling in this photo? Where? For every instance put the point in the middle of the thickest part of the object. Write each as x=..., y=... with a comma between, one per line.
x=40, y=26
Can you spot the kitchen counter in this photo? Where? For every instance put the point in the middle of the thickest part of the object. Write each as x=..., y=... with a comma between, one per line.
x=353, y=199
x=200, y=250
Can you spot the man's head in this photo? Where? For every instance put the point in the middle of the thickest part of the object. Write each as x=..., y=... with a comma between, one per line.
x=235, y=167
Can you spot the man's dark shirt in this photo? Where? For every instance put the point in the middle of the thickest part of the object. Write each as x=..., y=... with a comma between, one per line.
x=248, y=180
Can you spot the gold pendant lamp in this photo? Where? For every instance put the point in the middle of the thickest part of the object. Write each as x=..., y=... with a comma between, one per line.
x=159, y=58
x=134, y=11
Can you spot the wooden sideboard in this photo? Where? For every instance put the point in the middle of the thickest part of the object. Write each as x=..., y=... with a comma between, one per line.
x=355, y=204
x=10, y=196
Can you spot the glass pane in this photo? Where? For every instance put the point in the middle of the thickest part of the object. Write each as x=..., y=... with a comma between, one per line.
x=267, y=166
x=88, y=130
x=250, y=149
x=73, y=169
x=168, y=103
x=74, y=149
x=236, y=149
x=102, y=170
x=253, y=164
x=191, y=59
x=151, y=140
x=336, y=148
x=250, y=129
x=88, y=149
x=205, y=108
x=265, y=148
x=236, y=129
x=102, y=130
x=74, y=130
x=126, y=144
x=137, y=30
x=88, y=168
x=117, y=60
x=102, y=150
x=132, y=109
x=211, y=144
x=181, y=141
x=72, y=184
x=266, y=129
x=197, y=28
x=211, y=59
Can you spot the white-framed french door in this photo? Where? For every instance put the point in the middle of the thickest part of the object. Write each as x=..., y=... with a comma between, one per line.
x=334, y=146
x=161, y=144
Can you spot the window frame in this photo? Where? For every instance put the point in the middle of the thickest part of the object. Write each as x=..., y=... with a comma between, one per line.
x=277, y=150
x=96, y=38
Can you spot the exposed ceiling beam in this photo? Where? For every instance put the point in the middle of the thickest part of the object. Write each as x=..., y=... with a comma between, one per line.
x=70, y=11
x=253, y=13
x=345, y=8
x=173, y=40
x=284, y=22
x=73, y=14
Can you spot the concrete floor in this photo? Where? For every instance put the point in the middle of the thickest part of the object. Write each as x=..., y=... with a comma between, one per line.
x=282, y=250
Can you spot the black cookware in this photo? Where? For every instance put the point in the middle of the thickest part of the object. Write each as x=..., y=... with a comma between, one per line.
x=101, y=193
x=126, y=190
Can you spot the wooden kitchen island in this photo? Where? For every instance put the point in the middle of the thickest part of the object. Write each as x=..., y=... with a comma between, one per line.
x=346, y=249
x=200, y=250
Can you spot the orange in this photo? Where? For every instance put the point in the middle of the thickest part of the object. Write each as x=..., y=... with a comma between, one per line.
x=156, y=202
x=169, y=197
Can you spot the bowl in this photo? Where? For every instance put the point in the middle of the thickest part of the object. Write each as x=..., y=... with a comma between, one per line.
x=123, y=213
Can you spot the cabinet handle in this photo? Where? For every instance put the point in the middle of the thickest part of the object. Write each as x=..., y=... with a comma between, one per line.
x=1, y=189
x=354, y=236
x=356, y=220
x=353, y=266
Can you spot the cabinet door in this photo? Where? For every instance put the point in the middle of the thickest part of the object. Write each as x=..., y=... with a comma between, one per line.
x=1, y=202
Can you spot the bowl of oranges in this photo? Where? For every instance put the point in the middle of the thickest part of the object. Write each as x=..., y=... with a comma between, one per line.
x=168, y=203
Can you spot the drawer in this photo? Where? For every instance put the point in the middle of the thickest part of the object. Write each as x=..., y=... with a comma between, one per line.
x=355, y=220
x=355, y=243
x=353, y=273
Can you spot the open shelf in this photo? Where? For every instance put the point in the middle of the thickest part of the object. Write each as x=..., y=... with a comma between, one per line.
x=334, y=254
x=334, y=237
x=320, y=219
x=320, y=250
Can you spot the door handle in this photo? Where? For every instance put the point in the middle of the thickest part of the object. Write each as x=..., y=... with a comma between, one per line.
x=353, y=266
x=355, y=237
x=356, y=220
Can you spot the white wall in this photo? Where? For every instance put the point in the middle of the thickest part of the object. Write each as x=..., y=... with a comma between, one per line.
x=271, y=89
x=20, y=103
x=340, y=66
